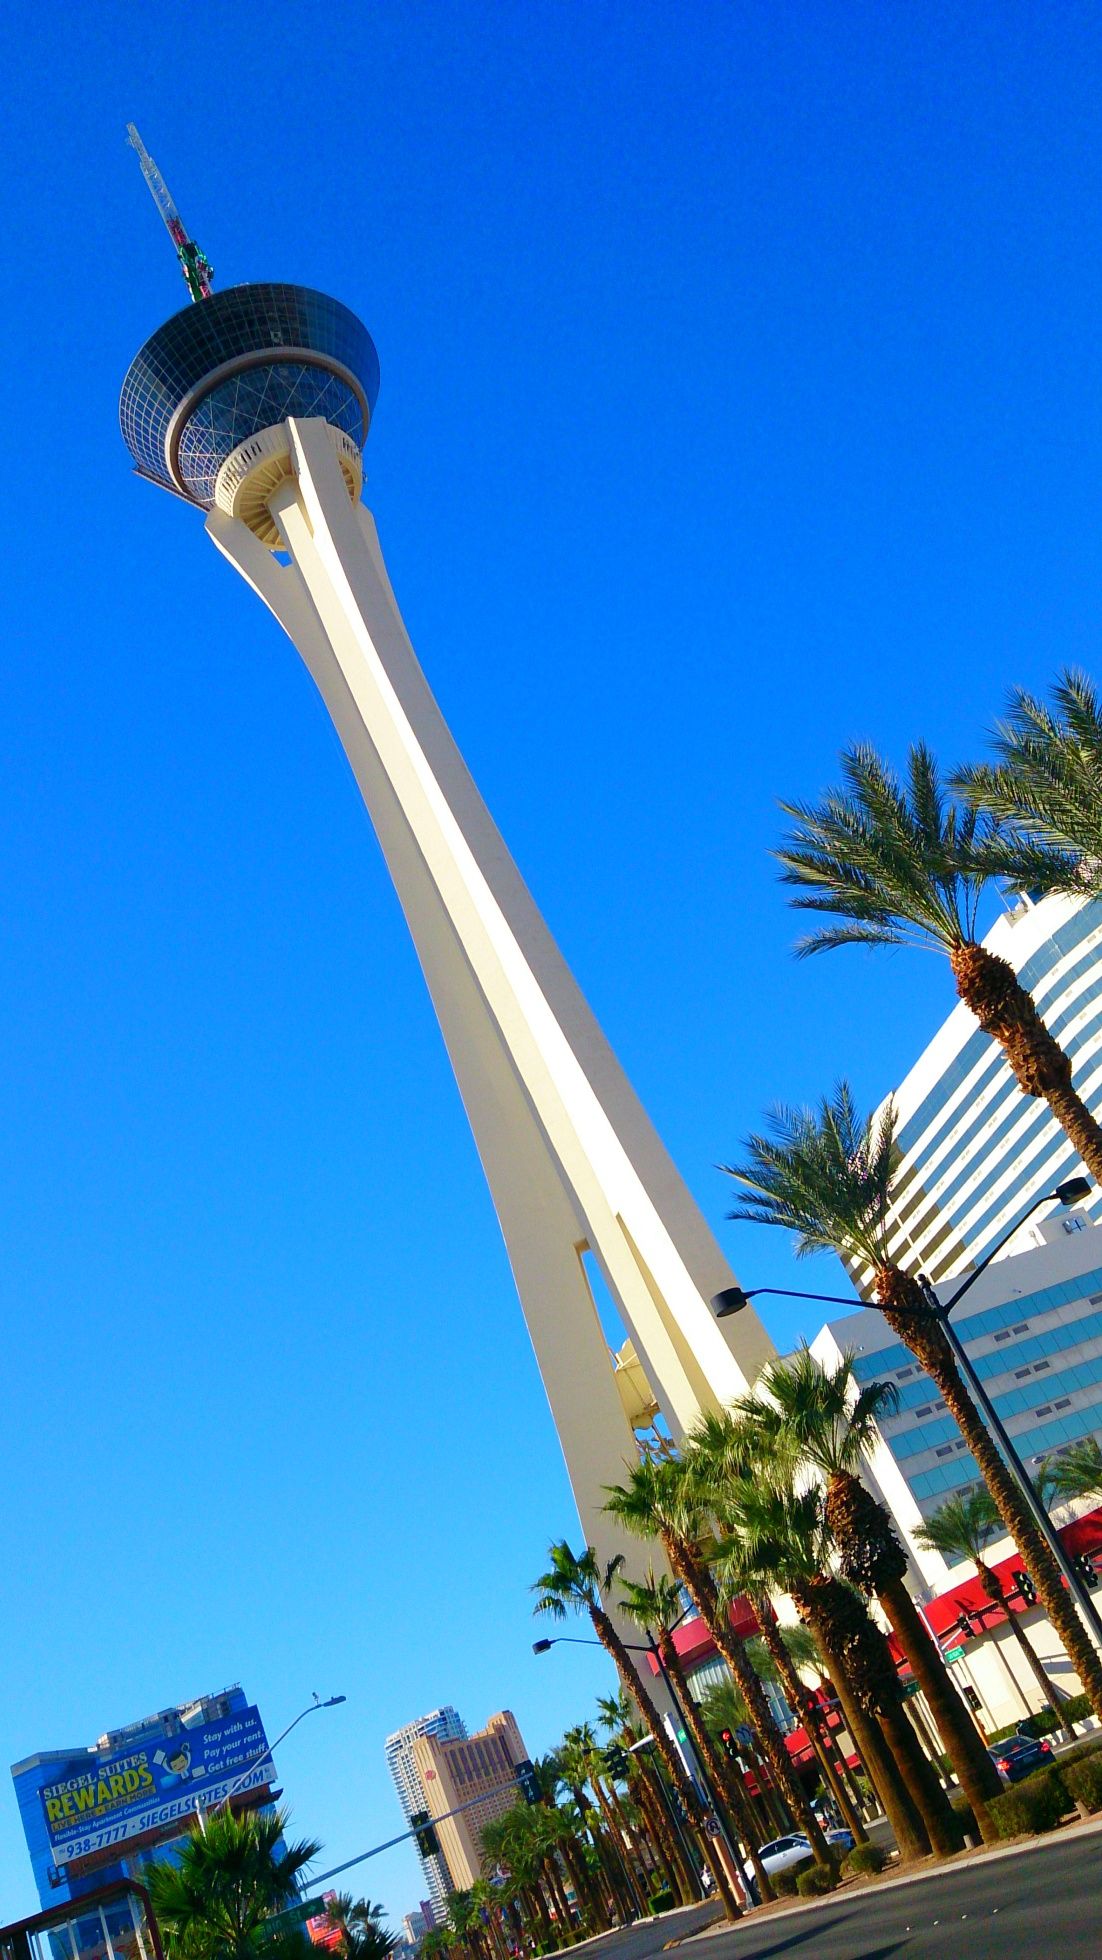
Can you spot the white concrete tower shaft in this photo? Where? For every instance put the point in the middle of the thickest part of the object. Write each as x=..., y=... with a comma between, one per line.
x=573, y=1163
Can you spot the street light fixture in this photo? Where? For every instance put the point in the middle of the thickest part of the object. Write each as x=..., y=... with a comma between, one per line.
x=311, y=1708
x=1071, y=1192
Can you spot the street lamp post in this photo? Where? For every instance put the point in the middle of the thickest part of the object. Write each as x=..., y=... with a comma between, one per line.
x=1071, y=1192
x=311, y=1708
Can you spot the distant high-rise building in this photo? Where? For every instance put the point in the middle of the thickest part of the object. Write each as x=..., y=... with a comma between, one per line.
x=974, y=1151
x=446, y=1724
x=454, y=1772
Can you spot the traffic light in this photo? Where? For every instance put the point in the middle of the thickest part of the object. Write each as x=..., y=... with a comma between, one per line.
x=617, y=1760
x=966, y=1627
x=971, y=1697
x=528, y=1782
x=1026, y=1588
x=730, y=1746
x=1084, y=1567
x=428, y=1844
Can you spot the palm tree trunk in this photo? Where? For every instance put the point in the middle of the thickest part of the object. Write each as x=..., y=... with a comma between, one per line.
x=885, y=1775
x=633, y=1684
x=589, y=1906
x=909, y=1317
x=701, y=1589
x=979, y=1779
x=802, y=1702
x=558, y=1893
x=658, y=1825
x=614, y=1825
x=1004, y=1009
x=941, y=1821
x=844, y=1770
x=995, y=1593
x=725, y=1781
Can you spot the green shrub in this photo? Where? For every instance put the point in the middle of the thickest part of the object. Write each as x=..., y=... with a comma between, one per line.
x=1083, y=1781
x=1000, y=1735
x=784, y=1883
x=1077, y=1708
x=1090, y=1746
x=1034, y=1805
x=862, y=1859
x=662, y=1900
x=1043, y=1723
x=821, y=1878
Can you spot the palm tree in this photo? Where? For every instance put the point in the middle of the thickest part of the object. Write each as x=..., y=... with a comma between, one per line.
x=659, y=1501
x=228, y=1882
x=644, y=1777
x=1046, y=787
x=963, y=1527
x=655, y=1606
x=584, y=1750
x=782, y=1536
x=577, y=1585
x=1072, y=1472
x=744, y=1469
x=778, y=1656
x=826, y=1421
x=905, y=865
x=360, y=1924
x=825, y=1175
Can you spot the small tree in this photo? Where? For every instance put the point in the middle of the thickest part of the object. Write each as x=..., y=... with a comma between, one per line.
x=963, y=1527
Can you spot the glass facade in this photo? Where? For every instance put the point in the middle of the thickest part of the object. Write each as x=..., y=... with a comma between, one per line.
x=1039, y=1355
x=974, y=1152
x=265, y=332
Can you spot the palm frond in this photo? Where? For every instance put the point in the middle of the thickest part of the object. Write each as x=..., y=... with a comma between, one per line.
x=898, y=862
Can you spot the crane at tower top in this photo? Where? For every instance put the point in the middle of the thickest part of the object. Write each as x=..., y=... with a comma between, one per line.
x=195, y=266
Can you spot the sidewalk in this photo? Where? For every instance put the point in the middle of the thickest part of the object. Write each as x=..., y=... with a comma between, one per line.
x=941, y=1868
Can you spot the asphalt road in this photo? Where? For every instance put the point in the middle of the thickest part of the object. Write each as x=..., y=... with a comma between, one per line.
x=1043, y=1902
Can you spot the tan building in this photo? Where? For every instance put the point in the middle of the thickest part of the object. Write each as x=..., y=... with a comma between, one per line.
x=454, y=1772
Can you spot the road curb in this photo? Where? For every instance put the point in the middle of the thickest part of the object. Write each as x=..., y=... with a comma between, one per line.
x=963, y=1861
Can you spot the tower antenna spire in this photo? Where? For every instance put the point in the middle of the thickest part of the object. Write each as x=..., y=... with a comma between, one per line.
x=194, y=264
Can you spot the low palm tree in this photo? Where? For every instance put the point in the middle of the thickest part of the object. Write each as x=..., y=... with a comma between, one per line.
x=823, y=1419
x=825, y=1175
x=963, y=1527
x=659, y=1500
x=1045, y=788
x=580, y=1585
x=360, y=1925
x=655, y=1605
x=1072, y=1472
x=644, y=1777
x=903, y=864
x=230, y=1879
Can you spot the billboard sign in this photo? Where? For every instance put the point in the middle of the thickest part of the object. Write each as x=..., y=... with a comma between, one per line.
x=157, y=1780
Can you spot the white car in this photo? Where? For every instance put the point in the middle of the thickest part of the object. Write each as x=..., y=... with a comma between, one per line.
x=780, y=1853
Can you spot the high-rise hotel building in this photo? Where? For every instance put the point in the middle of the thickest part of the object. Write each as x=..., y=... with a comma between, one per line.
x=974, y=1151
x=446, y=1725
x=477, y=1771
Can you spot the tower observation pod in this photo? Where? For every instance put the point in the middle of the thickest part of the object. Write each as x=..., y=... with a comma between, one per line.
x=254, y=404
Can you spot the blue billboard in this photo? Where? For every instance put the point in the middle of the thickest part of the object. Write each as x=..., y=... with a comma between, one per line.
x=93, y=1801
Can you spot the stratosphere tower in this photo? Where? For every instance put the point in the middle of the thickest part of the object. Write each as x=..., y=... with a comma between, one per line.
x=254, y=404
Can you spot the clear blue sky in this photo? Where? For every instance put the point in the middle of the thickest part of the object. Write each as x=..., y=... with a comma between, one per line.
x=740, y=397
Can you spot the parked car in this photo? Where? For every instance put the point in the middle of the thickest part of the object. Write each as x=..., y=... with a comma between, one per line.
x=1019, y=1756
x=781, y=1853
